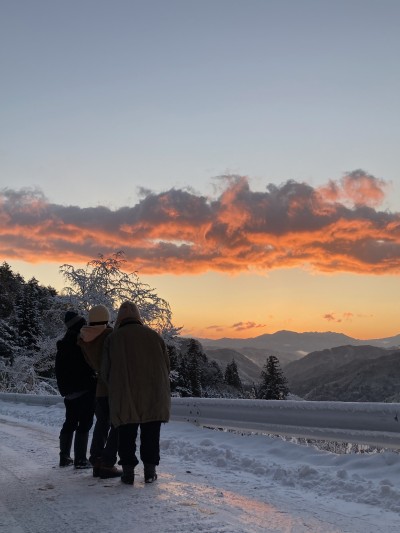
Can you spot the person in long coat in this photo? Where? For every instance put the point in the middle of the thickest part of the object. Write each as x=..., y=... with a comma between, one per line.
x=136, y=369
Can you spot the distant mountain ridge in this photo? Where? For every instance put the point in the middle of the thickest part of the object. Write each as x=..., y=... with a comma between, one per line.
x=318, y=366
x=298, y=344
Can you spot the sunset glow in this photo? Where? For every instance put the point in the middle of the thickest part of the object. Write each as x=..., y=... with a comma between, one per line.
x=243, y=156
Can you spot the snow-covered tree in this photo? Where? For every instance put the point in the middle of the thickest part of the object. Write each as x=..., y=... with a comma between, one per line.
x=30, y=323
x=273, y=384
x=104, y=281
x=232, y=377
x=10, y=284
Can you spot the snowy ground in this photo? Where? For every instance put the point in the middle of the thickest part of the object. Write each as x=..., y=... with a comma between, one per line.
x=209, y=481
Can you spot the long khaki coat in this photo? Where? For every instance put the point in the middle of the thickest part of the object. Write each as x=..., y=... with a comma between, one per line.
x=136, y=368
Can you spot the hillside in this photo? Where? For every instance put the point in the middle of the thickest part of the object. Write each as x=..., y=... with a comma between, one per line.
x=310, y=376
x=249, y=372
x=289, y=346
x=259, y=356
x=376, y=380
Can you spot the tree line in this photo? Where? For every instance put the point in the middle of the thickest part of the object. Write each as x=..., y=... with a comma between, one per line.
x=31, y=321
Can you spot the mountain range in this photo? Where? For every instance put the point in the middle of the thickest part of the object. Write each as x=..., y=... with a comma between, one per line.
x=296, y=345
x=318, y=366
x=346, y=373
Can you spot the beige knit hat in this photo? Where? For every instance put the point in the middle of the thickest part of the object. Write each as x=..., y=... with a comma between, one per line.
x=128, y=310
x=99, y=313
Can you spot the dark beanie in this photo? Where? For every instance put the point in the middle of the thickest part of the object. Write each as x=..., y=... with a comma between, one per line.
x=71, y=318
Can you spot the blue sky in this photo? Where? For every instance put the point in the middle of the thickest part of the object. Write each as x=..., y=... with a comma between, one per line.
x=172, y=93
x=103, y=102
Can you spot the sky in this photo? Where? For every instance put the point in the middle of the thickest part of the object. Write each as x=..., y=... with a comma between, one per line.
x=243, y=155
x=208, y=481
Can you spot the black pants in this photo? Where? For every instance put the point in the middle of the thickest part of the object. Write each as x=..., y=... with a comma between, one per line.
x=104, y=443
x=149, y=443
x=79, y=414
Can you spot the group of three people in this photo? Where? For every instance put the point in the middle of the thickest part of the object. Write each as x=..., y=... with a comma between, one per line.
x=121, y=376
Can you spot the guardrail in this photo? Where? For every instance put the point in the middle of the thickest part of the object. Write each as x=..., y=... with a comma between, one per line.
x=375, y=424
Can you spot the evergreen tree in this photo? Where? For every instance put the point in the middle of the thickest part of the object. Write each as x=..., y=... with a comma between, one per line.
x=273, y=384
x=232, y=377
x=183, y=387
x=11, y=285
x=8, y=337
x=193, y=365
x=174, y=367
x=27, y=318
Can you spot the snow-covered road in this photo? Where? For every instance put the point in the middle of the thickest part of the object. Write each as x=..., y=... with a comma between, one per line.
x=205, y=485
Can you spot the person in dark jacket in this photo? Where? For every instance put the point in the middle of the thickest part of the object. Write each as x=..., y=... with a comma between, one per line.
x=104, y=446
x=136, y=368
x=76, y=381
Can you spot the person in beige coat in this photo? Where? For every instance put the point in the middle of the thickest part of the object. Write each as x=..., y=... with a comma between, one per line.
x=136, y=368
x=104, y=445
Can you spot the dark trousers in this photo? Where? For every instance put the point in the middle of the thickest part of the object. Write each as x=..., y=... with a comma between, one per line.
x=79, y=414
x=104, y=443
x=149, y=443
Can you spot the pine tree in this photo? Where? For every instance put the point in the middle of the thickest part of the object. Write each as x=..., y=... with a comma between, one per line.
x=27, y=318
x=193, y=365
x=273, y=384
x=183, y=387
x=232, y=377
x=11, y=285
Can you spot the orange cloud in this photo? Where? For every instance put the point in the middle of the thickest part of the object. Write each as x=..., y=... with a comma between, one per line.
x=241, y=326
x=356, y=187
x=336, y=228
x=332, y=317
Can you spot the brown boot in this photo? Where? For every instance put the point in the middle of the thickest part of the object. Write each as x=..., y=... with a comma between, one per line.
x=108, y=472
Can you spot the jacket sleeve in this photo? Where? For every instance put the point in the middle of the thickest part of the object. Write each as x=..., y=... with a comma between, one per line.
x=60, y=369
x=166, y=356
x=106, y=362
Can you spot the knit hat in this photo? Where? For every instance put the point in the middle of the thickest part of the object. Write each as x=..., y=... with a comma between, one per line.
x=72, y=317
x=99, y=313
x=128, y=310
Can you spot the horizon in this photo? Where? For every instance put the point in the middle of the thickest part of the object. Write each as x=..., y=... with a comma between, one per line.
x=242, y=155
x=328, y=332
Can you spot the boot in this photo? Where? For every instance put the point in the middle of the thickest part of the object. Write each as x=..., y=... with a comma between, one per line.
x=96, y=463
x=80, y=448
x=65, y=449
x=128, y=475
x=150, y=474
x=108, y=472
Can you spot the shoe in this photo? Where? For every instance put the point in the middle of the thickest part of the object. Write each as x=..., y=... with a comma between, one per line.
x=150, y=474
x=65, y=461
x=65, y=449
x=108, y=472
x=82, y=464
x=96, y=463
x=128, y=475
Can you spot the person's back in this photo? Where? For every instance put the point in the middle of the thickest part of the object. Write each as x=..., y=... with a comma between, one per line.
x=140, y=373
x=136, y=369
x=76, y=381
x=104, y=445
x=73, y=374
